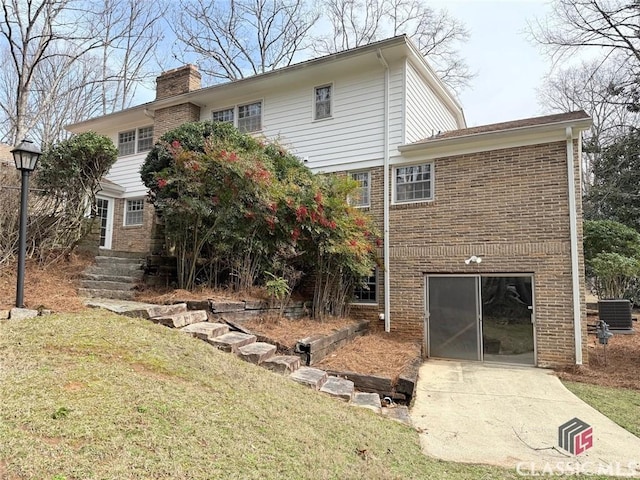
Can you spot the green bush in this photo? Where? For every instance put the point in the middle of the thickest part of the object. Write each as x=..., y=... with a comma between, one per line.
x=602, y=236
x=615, y=274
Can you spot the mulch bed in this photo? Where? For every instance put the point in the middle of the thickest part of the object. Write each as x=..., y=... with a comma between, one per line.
x=622, y=367
x=376, y=354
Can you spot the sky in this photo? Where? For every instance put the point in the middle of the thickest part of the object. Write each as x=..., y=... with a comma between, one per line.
x=509, y=69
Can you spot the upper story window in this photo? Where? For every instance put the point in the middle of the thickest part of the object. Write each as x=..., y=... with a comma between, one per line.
x=250, y=117
x=414, y=183
x=322, y=103
x=134, y=214
x=135, y=141
x=361, y=196
x=224, y=116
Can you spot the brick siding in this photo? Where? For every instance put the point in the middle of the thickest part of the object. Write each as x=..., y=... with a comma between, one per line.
x=511, y=207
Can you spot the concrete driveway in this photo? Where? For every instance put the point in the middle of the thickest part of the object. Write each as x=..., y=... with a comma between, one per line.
x=509, y=416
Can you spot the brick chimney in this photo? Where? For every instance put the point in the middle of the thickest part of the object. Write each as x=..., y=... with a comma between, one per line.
x=179, y=80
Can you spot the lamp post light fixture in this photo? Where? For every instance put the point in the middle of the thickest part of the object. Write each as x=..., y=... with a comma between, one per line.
x=26, y=156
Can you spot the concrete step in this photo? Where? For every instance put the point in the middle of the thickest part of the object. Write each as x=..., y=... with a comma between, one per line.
x=115, y=269
x=232, y=341
x=165, y=310
x=179, y=320
x=310, y=376
x=257, y=352
x=121, y=254
x=135, y=277
x=206, y=330
x=284, y=364
x=105, y=285
x=103, y=293
x=101, y=260
x=338, y=387
x=367, y=400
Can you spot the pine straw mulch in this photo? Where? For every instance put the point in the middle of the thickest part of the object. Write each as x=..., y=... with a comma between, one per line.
x=622, y=369
x=52, y=287
x=288, y=331
x=373, y=354
x=168, y=295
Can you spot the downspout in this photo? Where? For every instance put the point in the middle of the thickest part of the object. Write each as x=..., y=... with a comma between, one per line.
x=385, y=215
x=575, y=264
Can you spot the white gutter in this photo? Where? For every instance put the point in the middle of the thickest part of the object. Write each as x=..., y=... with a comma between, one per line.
x=385, y=246
x=575, y=264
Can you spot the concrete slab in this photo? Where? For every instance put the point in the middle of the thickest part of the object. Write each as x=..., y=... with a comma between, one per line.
x=206, y=330
x=22, y=313
x=399, y=413
x=310, y=376
x=178, y=320
x=232, y=341
x=257, y=352
x=367, y=400
x=283, y=364
x=122, y=307
x=509, y=416
x=338, y=387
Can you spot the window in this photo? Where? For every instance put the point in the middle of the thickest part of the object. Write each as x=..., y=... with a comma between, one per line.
x=224, y=116
x=360, y=196
x=142, y=138
x=134, y=214
x=127, y=143
x=250, y=117
x=414, y=183
x=322, y=102
x=145, y=139
x=366, y=291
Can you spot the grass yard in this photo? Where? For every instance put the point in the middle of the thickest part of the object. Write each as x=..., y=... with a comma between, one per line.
x=95, y=395
x=619, y=404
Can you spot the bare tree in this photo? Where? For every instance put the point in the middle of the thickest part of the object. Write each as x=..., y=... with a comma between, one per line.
x=436, y=34
x=590, y=86
x=66, y=56
x=235, y=38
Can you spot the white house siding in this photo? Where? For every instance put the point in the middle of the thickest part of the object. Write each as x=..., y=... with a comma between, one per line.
x=126, y=173
x=425, y=112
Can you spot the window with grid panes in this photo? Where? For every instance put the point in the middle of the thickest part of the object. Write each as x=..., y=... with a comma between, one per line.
x=127, y=143
x=250, y=117
x=135, y=212
x=145, y=139
x=223, y=116
x=366, y=292
x=322, y=102
x=360, y=197
x=414, y=183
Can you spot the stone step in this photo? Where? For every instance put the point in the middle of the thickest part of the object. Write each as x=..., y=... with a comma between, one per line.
x=179, y=320
x=399, y=413
x=310, y=376
x=122, y=254
x=232, y=341
x=103, y=293
x=105, y=285
x=115, y=270
x=257, y=352
x=338, y=387
x=100, y=260
x=165, y=310
x=284, y=364
x=135, y=277
x=206, y=330
x=367, y=400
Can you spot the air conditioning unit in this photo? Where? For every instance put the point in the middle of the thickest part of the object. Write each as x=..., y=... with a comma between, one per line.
x=616, y=313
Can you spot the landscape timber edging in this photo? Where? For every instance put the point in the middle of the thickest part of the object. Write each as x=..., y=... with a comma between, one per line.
x=316, y=347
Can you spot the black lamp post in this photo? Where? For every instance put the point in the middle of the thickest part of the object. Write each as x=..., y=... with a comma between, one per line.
x=26, y=156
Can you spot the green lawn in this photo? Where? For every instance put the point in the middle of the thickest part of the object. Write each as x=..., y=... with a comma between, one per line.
x=619, y=404
x=102, y=396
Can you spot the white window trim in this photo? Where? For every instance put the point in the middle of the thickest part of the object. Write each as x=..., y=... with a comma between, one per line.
x=413, y=164
x=136, y=140
x=230, y=107
x=368, y=205
x=124, y=217
x=313, y=102
x=235, y=109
